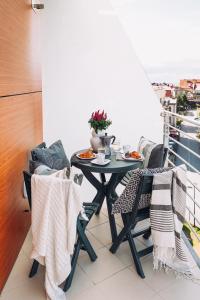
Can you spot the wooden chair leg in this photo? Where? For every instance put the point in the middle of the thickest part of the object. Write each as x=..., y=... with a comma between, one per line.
x=34, y=268
x=69, y=279
x=89, y=249
x=82, y=240
x=135, y=255
x=86, y=242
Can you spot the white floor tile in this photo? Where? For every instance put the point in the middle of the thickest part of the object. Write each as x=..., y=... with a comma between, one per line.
x=27, y=246
x=20, y=272
x=94, y=242
x=105, y=266
x=97, y=220
x=181, y=289
x=21, y=266
x=157, y=280
x=124, y=252
x=102, y=233
x=32, y=289
x=119, y=221
x=91, y=294
x=80, y=283
x=104, y=210
x=124, y=285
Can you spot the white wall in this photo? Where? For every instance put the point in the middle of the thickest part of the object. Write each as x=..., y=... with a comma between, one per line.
x=89, y=63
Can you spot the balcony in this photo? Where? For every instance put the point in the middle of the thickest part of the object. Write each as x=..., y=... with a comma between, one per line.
x=114, y=276
x=88, y=61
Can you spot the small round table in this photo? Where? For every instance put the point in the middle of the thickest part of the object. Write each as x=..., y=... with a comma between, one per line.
x=117, y=169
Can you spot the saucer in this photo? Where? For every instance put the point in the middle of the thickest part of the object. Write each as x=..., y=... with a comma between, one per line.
x=96, y=162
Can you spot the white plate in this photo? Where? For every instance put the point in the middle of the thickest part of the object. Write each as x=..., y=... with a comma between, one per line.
x=132, y=159
x=77, y=155
x=96, y=162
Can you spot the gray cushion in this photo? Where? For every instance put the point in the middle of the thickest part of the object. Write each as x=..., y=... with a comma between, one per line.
x=152, y=152
x=54, y=157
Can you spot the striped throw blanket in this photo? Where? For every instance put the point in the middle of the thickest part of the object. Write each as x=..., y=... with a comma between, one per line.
x=167, y=215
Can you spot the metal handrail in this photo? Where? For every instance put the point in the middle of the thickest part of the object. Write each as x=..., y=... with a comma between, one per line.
x=182, y=118
x=193, y=200
x=197, y=204
x=194, y=185
x=183, y=160
x=193, y=215
x=180, y=144
x=192, y=204
x=185, y=133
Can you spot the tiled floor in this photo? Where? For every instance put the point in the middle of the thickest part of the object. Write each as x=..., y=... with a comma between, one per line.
x=110, y=277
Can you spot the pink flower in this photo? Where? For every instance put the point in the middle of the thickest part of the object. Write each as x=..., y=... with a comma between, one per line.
x=99, y=116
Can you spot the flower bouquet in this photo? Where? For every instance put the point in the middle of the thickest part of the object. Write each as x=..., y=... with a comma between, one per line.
x=99, y=121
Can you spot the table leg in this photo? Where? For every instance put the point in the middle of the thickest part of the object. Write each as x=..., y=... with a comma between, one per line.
x=106, y=189
x=99, y=186
x=103, y=181
x=113, y=228
x=103, y=177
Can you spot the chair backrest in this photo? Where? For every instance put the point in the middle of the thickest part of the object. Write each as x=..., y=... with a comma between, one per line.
x=145, y=187
x=27, y=180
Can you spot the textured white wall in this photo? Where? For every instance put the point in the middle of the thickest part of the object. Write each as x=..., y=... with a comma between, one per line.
x=89, y=63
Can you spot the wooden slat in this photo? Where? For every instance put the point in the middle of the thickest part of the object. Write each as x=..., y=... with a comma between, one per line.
x=19, y=48
x=21, y=129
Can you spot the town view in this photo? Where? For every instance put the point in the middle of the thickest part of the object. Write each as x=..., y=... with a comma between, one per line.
x=184, y=100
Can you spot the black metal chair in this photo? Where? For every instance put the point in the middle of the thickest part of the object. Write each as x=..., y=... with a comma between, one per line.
x=82, y=242
x=130, y=221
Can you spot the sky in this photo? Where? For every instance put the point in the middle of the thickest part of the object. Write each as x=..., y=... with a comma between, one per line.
x=165, y=36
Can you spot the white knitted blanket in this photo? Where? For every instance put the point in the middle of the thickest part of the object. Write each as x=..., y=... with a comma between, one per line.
x=56, y=204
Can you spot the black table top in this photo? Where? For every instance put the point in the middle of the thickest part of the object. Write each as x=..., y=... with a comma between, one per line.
x=115, y=166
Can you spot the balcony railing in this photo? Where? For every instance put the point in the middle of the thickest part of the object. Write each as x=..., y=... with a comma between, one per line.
x=184, y=148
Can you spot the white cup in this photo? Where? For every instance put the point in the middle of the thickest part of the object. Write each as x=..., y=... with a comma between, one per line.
x=100, y=158
x=116, y=145
x=126, y=148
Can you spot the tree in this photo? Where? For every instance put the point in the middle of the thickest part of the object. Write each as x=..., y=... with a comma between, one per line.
x=182, y=102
